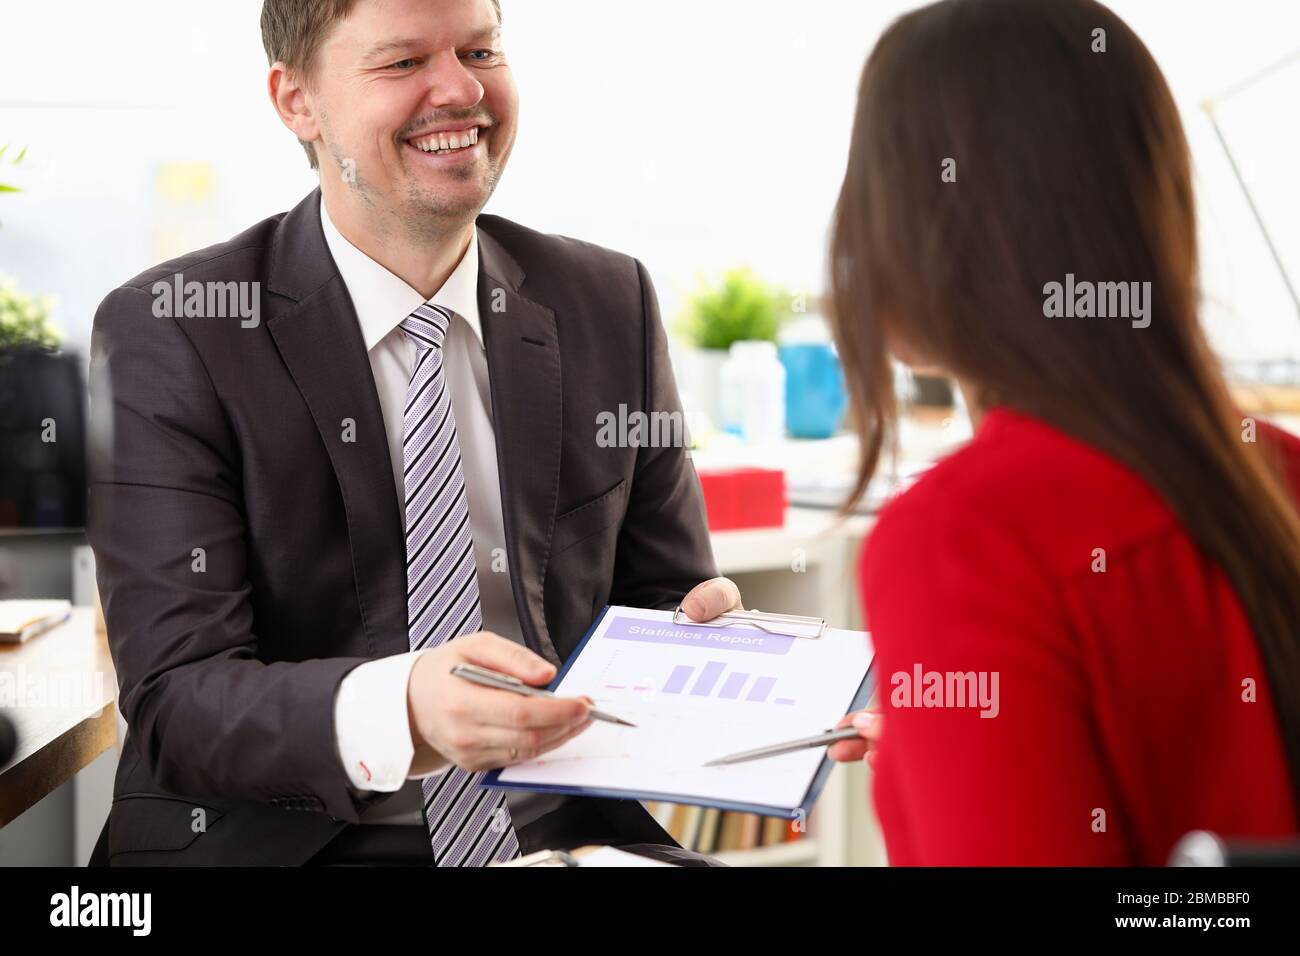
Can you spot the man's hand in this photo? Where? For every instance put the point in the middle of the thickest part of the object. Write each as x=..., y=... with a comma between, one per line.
x=477, y=727
x=716, y=596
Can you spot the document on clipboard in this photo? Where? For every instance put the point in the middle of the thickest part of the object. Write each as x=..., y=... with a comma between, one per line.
x=697, y=692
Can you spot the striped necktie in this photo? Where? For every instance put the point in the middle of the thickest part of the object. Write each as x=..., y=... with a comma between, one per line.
x=468, y=825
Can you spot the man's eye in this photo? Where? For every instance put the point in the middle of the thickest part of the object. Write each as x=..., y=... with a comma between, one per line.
x=403, y=64
x=482, y=56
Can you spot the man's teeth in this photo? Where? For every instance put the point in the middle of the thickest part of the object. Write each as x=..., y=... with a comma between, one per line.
x=447, y=142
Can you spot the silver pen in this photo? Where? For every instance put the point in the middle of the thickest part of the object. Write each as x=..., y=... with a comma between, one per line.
x=790, y=746
x=490, y=678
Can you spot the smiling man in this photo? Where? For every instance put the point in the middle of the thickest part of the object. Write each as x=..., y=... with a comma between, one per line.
x=302, y=525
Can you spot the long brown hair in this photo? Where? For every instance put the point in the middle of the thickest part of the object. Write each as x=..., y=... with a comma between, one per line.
x=1066, y=160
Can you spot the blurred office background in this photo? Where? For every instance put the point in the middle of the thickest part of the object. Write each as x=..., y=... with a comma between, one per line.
x=699, y=135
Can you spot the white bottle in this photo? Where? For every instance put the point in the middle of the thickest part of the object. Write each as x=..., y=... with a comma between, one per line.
x=753, y=393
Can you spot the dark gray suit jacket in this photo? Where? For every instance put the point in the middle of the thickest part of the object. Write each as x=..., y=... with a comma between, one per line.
x=249, y=555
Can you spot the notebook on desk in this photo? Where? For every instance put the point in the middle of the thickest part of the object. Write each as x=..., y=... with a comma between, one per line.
x=22, y=620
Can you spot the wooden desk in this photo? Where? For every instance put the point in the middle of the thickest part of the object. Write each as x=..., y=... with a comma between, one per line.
x=60, y=690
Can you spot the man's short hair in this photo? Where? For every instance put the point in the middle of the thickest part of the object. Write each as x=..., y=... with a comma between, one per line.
x=293, y=30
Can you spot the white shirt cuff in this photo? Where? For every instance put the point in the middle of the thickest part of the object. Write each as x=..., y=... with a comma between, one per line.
x=371, y=724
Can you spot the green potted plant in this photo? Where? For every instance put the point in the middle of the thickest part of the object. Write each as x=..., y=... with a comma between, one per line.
x=42, y=413
x=42, y=418
x=25, y=319
x=738, y=306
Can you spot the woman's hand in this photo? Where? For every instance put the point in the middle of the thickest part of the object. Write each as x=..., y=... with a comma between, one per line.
x=868, y=724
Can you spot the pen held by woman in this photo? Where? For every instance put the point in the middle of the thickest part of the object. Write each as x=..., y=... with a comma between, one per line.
x=869, y=725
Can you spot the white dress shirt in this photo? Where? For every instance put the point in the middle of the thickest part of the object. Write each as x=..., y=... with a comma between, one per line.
x=370, y=715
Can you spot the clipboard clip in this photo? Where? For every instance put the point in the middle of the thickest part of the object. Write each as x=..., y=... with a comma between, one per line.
x=785, y=625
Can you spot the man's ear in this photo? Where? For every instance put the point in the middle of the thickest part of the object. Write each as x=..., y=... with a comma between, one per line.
x=291, y=100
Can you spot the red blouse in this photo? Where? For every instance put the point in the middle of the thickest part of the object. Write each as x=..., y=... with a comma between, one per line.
x=1118, y=701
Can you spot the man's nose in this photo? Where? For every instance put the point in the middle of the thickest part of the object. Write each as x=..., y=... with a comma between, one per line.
x=451, y=85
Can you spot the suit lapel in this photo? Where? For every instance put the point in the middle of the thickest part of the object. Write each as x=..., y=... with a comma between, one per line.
x=315, y=328
x=523, y=356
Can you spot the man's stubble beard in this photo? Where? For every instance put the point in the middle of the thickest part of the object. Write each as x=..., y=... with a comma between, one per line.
x=420, y=218
x=425, y=217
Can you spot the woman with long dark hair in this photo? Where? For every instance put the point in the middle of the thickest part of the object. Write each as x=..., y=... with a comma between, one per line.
x=1087, y=620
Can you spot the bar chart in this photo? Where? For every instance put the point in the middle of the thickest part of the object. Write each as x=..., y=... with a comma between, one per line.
x=694, y=681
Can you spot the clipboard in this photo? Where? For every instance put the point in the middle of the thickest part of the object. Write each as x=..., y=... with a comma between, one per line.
x=776, y=624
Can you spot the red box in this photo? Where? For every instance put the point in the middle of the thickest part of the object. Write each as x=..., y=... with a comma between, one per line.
x=744, y=498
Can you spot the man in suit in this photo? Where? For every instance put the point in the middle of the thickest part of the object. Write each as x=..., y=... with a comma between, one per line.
x=356, y=445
